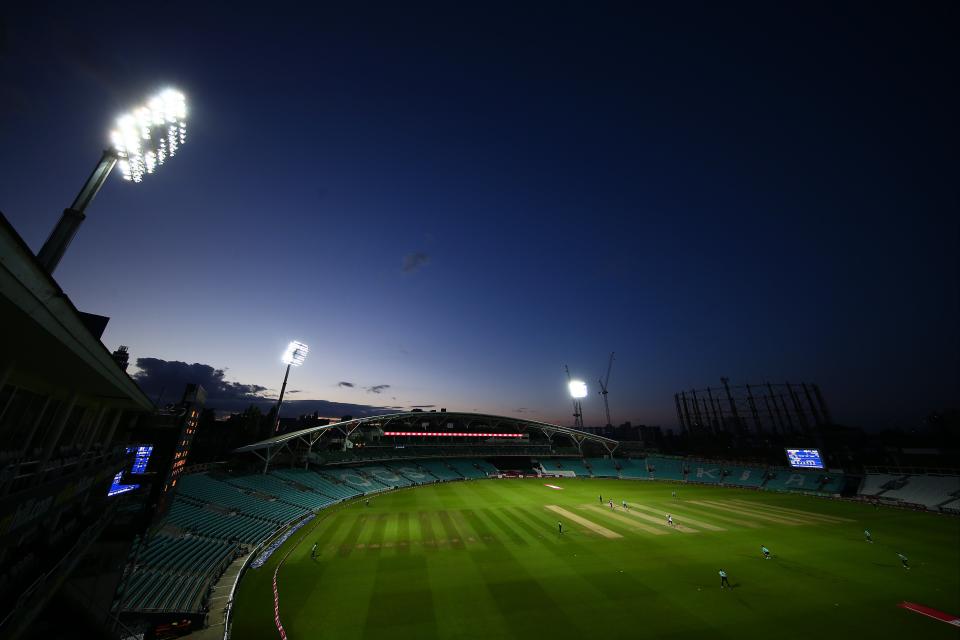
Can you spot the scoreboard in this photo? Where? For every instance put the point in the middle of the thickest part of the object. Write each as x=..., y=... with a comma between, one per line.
x=805, y=458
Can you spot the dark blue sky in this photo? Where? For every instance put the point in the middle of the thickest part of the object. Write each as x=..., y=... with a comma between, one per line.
x=456, y=202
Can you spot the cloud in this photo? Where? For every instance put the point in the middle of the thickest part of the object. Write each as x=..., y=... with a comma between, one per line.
x=156, y=376
x=520, y=410
x=378, y=388
x=413, y=261
x=170, y=377
x=349, y=385
x=422, y=406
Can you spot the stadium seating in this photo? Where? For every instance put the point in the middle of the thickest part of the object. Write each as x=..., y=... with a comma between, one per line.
x=832, y=483
x=666, y=468
x=952, y=507
x=928, y=490
x=563, y=467
x=213, y=524
x=876, y=483
x=743, y=476
x=634, y=469
x=385, y=476
x=485, y=467
x=276, y=487
x=439, y=470
x=172, y=573
x=204, y=488
x=705, y=471
x=317, y=482
x=603, y=467
x=356, y=479
x=468, y=469
x=785, y=479
x=412, y=471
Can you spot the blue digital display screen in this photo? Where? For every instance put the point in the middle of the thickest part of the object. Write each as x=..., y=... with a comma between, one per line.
x=117, y=488
x=141, y=457
x=805, y=458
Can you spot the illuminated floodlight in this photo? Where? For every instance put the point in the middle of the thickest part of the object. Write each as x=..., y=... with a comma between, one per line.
x=296, y=353
x=578, y=389
x=147, y=136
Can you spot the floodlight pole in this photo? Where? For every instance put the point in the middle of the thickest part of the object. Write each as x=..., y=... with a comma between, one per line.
x=276, y=420
x=56, y=245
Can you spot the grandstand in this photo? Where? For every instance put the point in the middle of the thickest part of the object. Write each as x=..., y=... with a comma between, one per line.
x=602, y=467
x=743, y=476
x=932, y=491
x=440, y=470
x=217, y=524
x=663, y=468
x=634, y=469
x=707, y=472
x=216, y=516
x=570, y=467
x=173, y=573
x=469, y=469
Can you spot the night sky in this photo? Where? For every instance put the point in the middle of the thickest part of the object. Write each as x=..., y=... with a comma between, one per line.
x=449, y=204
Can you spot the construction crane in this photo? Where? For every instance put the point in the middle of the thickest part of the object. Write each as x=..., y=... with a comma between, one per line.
x=603, y=389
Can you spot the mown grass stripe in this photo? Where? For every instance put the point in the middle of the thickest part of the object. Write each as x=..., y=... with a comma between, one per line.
x=788, y=511
x=375, y=541
x=687, y=509
x=537, y=533
x=503, y=526
x=429, y=539
x=454, y=537
x=589, y=524
x=699, y=523
x=633, y=524
x=749, y=514
x=403, y=533
x=484, y=533
x=347, y=544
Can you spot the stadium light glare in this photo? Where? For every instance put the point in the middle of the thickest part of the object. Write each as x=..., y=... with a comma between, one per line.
x=294, y=356
x=143, y=139
x=296, y=353
x=148, y=135
x=578, y=389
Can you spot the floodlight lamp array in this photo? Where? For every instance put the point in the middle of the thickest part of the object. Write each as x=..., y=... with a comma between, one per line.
x=578, y=389
x=150, y=134
x=296, y=353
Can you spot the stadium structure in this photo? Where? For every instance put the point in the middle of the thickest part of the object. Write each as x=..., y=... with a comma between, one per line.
x=783, y=409
x=241, y=537
x=427, y=524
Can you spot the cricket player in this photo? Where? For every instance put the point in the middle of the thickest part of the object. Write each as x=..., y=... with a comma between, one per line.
x=723, y=579
x=625, y=508
x=367, y=501
x=611, y=505
x=867, y=536
x=669, y=519
x=674, y=495
x=560, y=527
x=313, y=550
x=766, y=552
x=601, y=498
x=903, y=561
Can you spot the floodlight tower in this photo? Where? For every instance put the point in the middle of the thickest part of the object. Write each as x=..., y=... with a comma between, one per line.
x=578, y=390
x=603, y=389
x=144, y=139
x=294, y=356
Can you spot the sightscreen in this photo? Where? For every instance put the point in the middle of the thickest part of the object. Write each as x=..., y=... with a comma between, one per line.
x=805, y=458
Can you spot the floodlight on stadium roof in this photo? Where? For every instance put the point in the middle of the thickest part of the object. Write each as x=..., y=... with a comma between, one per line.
x=578, y=389
x=296, y=353
x=148, y=135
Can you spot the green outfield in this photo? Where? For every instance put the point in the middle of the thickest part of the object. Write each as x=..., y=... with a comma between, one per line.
x=483, y=559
